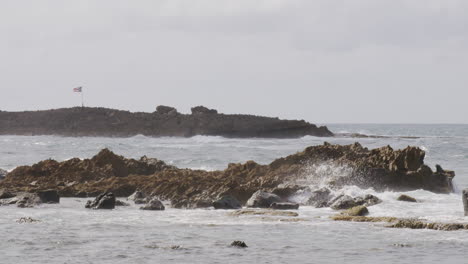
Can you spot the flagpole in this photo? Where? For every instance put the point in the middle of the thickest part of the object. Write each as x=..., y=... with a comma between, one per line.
x=82, y=100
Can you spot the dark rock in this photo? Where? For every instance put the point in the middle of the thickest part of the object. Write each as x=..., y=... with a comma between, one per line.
x=121, y=203
x=465, y=201
x=227, y=202
x=240, y=244
x=203, y=110
x=154, y=204
x=284, y=206
x=49, y=196
x=406, y=198
x=103, y=201
x=263, y=199
x=320, y=198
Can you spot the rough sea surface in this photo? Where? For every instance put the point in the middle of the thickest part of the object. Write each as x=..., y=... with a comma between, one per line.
x=69, y=233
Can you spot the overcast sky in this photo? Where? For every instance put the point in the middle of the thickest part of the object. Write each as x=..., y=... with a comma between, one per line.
x=325, y=61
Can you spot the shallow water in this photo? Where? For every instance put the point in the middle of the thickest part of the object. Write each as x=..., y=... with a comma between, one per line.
x=69, y=233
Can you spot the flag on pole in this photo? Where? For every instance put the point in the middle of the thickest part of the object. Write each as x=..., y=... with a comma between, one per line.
x=77, y=89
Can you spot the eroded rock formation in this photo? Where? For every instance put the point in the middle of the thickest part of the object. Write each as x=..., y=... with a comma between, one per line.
x=382, y=169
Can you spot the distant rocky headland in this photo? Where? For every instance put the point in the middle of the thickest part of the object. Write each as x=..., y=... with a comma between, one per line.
x=165, y=121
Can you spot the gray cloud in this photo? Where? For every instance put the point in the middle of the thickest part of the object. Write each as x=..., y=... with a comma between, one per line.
x=323, y=61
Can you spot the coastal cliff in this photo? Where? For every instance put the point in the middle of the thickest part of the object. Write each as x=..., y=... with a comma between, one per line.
x=382, y=169
x=165, y=121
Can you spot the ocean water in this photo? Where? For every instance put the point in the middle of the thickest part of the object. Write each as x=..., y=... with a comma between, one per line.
x=69, y=233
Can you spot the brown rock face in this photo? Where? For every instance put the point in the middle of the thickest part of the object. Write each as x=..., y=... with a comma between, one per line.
x=382, y=169
x=165, y=121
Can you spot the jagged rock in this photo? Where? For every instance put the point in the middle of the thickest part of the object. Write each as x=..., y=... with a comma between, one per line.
x=227, y=202
x=203, y=110
x=187, y=188
x=359, y=210
x=406, y=198
x=268, y=212
x=121, y=203
x=263, y=199
x=465, y=201
x=240, y=244
x=320, y=198
x=49, y=196
x=103, y=201
x=284, y=206
x=138, y=197
x=154, y=204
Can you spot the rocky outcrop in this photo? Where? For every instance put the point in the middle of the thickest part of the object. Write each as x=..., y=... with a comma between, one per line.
x=406, y=198
x=381, y=169
x=165, y=121
x=103, y=201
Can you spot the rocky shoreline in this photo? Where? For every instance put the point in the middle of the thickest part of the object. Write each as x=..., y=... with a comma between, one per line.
x=165, y=121
x=382, y=169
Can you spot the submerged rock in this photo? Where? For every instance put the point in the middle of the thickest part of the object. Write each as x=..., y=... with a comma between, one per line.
x=227, y=202
x=103, y=201
x=407, y=198
x=121, y=203
x=285, y=206
x=240, y=244
x=264, y=212
x=261, y=199
x=356, y=211
x=154, y=204
x=24, y=220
